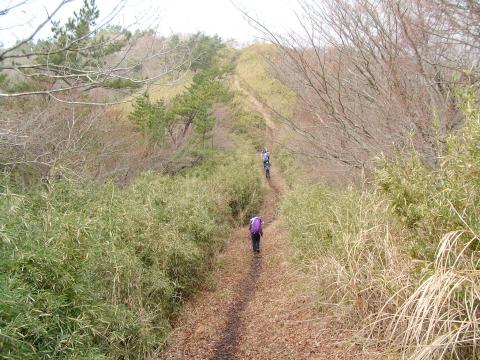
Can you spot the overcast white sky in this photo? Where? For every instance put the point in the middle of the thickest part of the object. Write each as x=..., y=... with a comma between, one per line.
x=172, y=16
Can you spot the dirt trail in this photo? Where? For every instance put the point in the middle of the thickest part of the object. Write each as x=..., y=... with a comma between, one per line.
x=258, y=307
x=271, y=125
x=227, y=346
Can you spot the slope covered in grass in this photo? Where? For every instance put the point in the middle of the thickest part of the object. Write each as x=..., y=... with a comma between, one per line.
x=160, y=89
x=254, y=70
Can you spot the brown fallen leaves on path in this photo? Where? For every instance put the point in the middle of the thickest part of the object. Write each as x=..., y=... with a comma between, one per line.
x=258, y=308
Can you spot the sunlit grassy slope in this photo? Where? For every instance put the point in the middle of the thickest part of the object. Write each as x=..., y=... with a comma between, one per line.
x=255, y=73
x=253, y=70
x=161, y=89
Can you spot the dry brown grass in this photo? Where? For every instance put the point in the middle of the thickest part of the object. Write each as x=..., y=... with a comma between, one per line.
x=440, y=319
x=254, y=71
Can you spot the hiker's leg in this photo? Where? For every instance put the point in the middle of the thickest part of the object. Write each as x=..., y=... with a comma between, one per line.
x=255, y=239
x=256, y=244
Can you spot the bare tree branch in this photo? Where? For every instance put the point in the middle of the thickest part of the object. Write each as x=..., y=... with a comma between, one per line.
x=35, y=32
x=94, y=59
x=372, y=73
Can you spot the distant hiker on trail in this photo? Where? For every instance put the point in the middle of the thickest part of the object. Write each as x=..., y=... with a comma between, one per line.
x=256, y=232
x=265, y=156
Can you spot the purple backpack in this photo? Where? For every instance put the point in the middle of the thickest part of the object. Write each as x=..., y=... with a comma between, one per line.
x=256, y=225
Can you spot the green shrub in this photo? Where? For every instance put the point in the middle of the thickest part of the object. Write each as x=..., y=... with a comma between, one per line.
x=432, y=202
x=237, y=175
x=154, y=119
x=120, y=83
x=247, y=122
x=242, y=183
x=90, y=271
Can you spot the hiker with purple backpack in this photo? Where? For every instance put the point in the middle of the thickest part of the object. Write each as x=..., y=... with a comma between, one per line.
x=256, y=232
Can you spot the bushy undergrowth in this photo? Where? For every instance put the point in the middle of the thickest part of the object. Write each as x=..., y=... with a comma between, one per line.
x=238, y=180
x=91, y=271
x=432, y=202
x=347, y=239
x=441, y=209
x=402, y=255
x=244, y=190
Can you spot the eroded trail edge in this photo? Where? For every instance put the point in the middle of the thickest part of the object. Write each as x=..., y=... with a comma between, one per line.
x=228, y=344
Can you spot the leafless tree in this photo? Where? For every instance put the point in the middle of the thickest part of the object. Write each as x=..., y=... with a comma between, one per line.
x=375, y=74
x=48, y=125
x=83, y=55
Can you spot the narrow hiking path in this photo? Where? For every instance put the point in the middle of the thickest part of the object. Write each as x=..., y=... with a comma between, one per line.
x=257, y=307
x=271, y=125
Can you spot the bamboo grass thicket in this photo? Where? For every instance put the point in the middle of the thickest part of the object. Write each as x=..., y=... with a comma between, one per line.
x=399, y=260
x=99, y=271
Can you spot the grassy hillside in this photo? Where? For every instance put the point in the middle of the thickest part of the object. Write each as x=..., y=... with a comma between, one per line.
x=161, y=89
x=257, y=70
x=253, y=70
